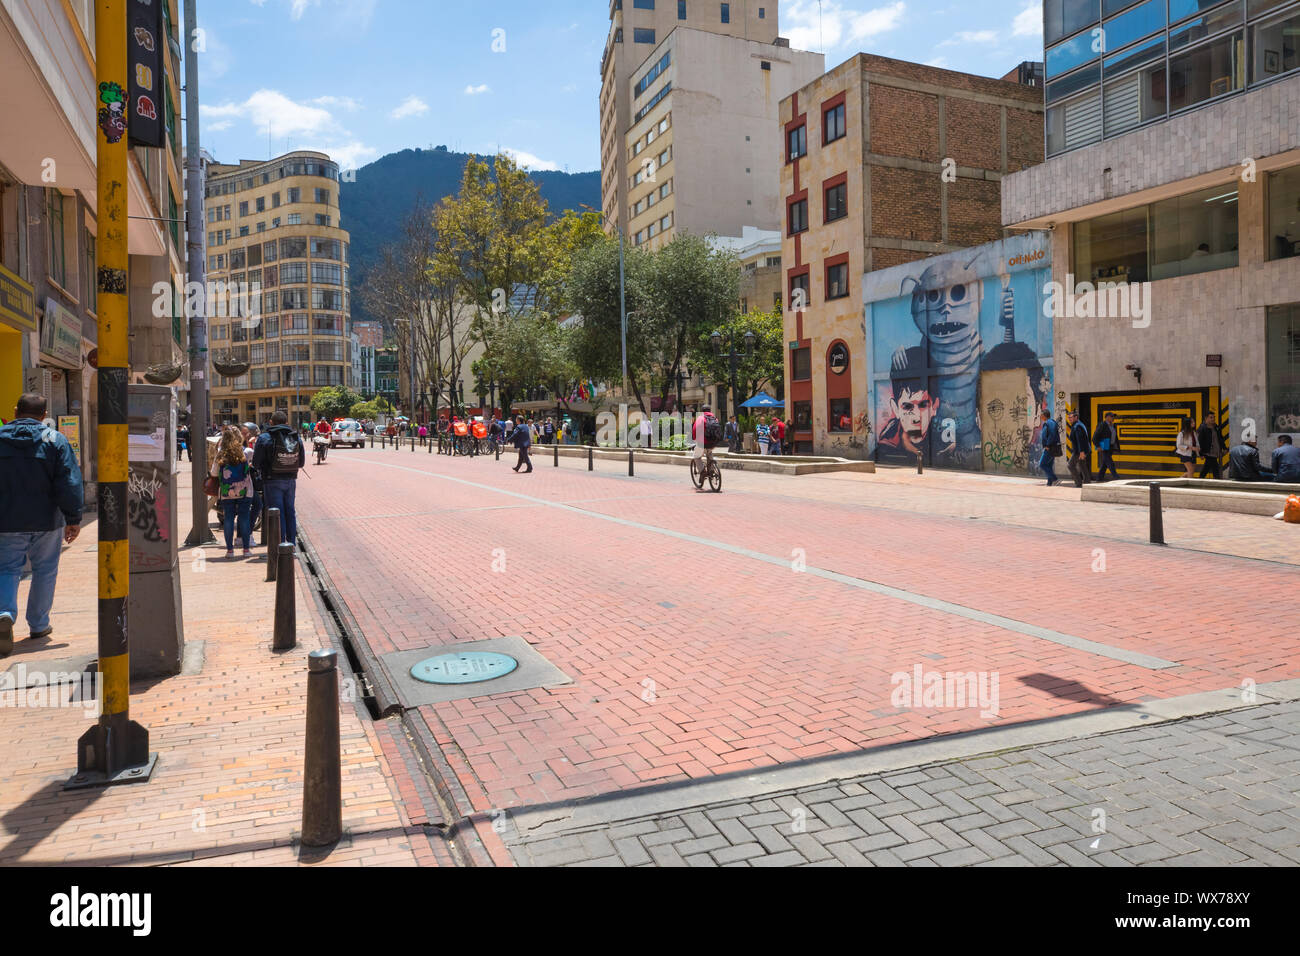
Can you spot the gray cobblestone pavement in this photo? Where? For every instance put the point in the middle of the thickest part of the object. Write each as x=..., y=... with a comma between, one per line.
x=1217, y=790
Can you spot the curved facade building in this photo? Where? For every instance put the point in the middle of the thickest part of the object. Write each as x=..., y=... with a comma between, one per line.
x=278, y=285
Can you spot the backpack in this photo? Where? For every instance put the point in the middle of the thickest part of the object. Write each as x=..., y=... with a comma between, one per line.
x=234, y=474
x=712, y=430
x=286, y=449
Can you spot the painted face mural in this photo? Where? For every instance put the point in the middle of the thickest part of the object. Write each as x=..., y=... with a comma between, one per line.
x=946, y=303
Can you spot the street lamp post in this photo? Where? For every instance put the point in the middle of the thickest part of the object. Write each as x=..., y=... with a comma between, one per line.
x=733, y=358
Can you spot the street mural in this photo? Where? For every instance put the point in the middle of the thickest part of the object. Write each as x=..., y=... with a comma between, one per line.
x=955, y=347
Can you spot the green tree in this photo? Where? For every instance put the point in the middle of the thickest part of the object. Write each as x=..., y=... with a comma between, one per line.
x=334, y=402
x=764, y=363
x=369, y=411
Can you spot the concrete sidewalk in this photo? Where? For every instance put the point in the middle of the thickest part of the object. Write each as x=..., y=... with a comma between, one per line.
x=228, y=733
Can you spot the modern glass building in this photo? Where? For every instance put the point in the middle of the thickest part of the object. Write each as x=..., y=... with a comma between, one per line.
x=1114, y=65
x=274, y=239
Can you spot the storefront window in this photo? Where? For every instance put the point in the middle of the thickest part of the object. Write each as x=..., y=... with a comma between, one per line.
x=803, y=416
x=1284, y=368
x=1112, y=247
x=1284, y=213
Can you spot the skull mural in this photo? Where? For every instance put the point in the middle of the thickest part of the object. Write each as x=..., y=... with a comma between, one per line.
x=946, y=303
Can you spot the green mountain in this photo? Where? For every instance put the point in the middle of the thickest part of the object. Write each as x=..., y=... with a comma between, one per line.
x=375, y=206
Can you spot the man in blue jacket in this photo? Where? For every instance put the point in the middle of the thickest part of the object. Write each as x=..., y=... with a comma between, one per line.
x=41, y=500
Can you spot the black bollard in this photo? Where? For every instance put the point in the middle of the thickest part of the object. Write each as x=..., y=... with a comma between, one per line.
x=322, y=776
x=372, y=439
x=630, y=471
x=429, y=445
x=920, y=464
x=497, y=446
x=557, y=456
x=271, y=538
x=286, y=611
x=1157, y=515
x=591, y=464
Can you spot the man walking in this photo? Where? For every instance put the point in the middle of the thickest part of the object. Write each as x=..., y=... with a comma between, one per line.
x=1050, y=437
x=41, y=500
x=279, y=455
x=1080, y=450
x=522, y=438
x=1210, y=441
x=1107, y=442
x=733, y=434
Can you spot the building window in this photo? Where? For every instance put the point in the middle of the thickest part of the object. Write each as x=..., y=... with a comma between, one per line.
x=261, y=227
x=1174, y=237
x=837, y=202
x=327, y=273
x=643, y=4
x=92, y=280
x=1206, y=72
x=681, y=9
x=801, y=365
x=762, y=13
x=243, y=231
x=833, y=124
x=798, y=143
x=798, y=216
x=275, y=200
x=1283, y=357
x=1274, y=49
x=243, y=209
x=295, y=195
x=799, y=298
x=666, y=222
x=837, y=281
x=1076, y=123
x=665, y=190
x=1061, y=18
x=322, y=220
x=58, y=265
x=655, y=72
x=642, y=35
x=1284, y=213
x=261, y=204
x=323, y=197
x=295, y=248
x=295, y=219
x=841, y=415
x=726, y=13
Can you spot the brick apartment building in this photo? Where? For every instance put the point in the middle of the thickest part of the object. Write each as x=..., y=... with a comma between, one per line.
x=886, y=162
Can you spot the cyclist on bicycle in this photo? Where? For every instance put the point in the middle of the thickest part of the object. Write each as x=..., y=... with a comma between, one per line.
x=707, y=435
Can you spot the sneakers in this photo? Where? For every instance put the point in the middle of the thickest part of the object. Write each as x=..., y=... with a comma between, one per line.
x=248, y=553
x=230, y=554
x=42, y=635
x=6, y=637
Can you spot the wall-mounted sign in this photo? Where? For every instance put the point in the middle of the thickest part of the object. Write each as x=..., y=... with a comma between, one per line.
x=60, y=336
x=70, y=428
x=17, y=302
x=145, y=45
x=1214, y=361
x=838, y=359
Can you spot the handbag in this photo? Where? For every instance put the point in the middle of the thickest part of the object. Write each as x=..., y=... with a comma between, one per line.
x=211, y=487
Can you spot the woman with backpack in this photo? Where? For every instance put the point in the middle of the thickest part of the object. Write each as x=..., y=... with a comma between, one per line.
x=233, y=472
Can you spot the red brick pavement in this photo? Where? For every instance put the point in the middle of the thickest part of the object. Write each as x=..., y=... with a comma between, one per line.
x=228, y=786
x=689, y=661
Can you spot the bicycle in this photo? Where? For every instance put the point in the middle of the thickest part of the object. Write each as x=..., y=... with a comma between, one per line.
x=705, y=468
x=487, y=446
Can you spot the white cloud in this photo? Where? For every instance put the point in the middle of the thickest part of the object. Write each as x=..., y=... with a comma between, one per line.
x=272, y=111
x=411, y=106
x=973, y=38
x=351, y=155
x=529, y=161
x=472, y=90
x=1029, y=21
x=341, y=102
x=219, y=126
x=835, y=25
x=349, y=12
x=938, y=62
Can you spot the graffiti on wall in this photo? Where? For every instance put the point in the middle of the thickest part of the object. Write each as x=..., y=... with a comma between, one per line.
x=955, y=348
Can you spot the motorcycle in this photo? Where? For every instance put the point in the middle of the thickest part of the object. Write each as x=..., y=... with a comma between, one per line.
x=322, y=447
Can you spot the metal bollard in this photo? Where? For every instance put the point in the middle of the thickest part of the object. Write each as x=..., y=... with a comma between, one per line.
x=412, y=444
x=591, y=465
x=322, y=775
x=271, y=538
x=557, y=456
x=286, y=611
x=383, y=441
x=920, y=464
x=372, y=439
x=497, y=446
x=1157, y=515
x=429, y=446
x=630, y=471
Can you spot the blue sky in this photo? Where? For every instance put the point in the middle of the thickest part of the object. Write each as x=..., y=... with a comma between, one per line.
x=362, y=78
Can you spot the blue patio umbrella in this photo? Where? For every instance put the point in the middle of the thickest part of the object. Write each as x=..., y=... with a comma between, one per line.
x=763, y=400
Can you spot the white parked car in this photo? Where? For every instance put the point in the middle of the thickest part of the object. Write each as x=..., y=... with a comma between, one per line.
x=347, y=432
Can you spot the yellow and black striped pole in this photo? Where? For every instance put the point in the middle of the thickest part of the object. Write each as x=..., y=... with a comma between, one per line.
x=116, y=750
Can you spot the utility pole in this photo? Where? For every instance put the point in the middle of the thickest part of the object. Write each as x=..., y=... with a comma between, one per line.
x=201, y=532
x=116, y=749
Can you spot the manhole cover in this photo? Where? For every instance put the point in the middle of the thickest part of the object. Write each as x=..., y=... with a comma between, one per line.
x=471, y=667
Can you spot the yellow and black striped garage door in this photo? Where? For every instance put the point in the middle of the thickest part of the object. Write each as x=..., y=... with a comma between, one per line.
x=1148, y=426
